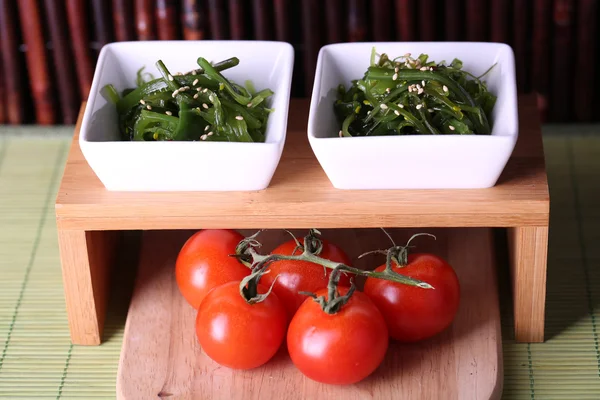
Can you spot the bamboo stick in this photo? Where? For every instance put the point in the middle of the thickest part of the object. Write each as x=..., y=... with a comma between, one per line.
x=166, y=19
x=237, y=20
x=62, y=58
x=144, y=19
x=78, y=26
x=37, y=63
x=123, y=20
x=193, y=19
x=11, y=69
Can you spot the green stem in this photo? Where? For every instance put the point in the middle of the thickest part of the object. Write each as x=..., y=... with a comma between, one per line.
x=334, y=302
x=389, y=275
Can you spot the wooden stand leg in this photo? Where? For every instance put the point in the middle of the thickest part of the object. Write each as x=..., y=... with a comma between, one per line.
x=529, y=250
x=86, y=258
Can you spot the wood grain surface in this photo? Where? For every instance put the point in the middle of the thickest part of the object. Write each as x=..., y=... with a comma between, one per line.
x=301, y=196
x=161, y=357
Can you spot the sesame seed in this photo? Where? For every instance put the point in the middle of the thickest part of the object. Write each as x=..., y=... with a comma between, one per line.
x=340, y=133
x=175, y=93
x=423, y=83
x=395, y=77
x=419, y=106
x=195, y=81
x=401, y=105
x=407, y=55
x=168, y=113
x=239, y=118
x=445, y=88
x=210, y=133
x=420, y=91
x=249, y=105
x=196, y=96
x=206, y=128
x=396, y=69
x=410, y=89
x=204, y=105
x=430, y=109
x=178, y=74
x=387, y=90
x=423, y=69
x=171, y=78
x=142, y=102
x=203, y=137
x=199, y=89
x=418, y=86
x=149, y=107
x=383, y=107
x=369, y=112
x=211, y=98
x=396, y=112
x=451, y=127
x=431, y=68
x=205, y=90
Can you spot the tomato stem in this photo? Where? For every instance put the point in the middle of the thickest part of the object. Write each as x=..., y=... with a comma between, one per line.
x=399, y=254
x=334, y=302
x=249, y=285
x=260, y=261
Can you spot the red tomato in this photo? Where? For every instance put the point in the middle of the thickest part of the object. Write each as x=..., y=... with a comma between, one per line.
x=413, y=313
x=236, y=334
x=341, y=348
x=295, y=276
x=204, y=262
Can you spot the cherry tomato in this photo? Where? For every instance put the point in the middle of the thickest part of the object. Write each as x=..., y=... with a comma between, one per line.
x=204, y=262
x=341, y=348
x=236, y=334
x=295, y=276
x=413, y=313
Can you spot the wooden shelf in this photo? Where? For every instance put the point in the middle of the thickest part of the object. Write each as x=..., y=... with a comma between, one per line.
x=161, y=356
x=301, y=196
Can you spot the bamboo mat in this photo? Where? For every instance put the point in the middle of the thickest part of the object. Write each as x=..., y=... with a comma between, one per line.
x=37, y=360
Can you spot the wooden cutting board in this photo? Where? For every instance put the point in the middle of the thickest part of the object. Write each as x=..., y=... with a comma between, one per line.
x=161, y=357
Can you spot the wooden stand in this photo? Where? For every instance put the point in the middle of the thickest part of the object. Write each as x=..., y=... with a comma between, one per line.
x=161, y=356
x=300, y=196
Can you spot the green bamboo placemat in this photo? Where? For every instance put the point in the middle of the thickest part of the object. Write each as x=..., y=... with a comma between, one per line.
x=37, y=360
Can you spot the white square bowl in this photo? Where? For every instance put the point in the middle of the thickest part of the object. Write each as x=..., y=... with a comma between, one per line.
x=186, y=166
x=413, y=161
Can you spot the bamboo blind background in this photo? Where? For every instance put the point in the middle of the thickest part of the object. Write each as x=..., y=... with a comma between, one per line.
x=49, y=47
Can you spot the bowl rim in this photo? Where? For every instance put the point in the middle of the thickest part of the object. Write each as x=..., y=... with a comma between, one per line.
x=317, y=83
x=286, y=85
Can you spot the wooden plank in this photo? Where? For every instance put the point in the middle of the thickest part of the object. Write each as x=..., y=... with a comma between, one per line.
x=86, y=260
x=301, y=196
x=529, y=253
x=161, y=356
